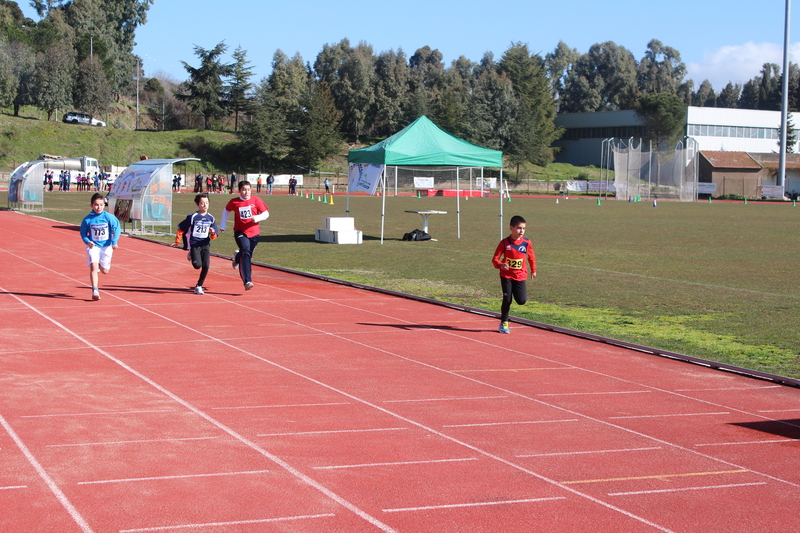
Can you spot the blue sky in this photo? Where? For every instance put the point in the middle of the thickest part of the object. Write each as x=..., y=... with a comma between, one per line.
x=721, y=41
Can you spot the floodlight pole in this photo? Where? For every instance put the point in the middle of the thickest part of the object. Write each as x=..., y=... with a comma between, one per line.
x=785, y=98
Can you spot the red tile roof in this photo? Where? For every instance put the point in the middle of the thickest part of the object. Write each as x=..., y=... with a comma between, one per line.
x=730, y=160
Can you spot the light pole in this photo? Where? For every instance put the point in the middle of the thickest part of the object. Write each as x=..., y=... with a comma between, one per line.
x=784, y=98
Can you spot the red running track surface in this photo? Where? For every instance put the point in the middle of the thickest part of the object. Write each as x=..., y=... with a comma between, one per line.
x=308, y=406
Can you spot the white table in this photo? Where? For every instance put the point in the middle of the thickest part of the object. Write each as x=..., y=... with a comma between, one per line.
x=425, y=215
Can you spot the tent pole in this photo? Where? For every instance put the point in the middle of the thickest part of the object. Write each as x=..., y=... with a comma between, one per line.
x=383, y=202
x=458, y=205
x=501, y=203
x=347, y=198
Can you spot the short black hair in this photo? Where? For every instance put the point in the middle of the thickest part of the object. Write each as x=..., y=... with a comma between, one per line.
x=95, y=196
x=516, y=220
x=243, y=183
x=199, y=196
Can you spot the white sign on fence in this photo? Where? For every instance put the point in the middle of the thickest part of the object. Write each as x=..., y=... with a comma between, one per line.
x=772, y=191
x=706, y=188
x=423, y=183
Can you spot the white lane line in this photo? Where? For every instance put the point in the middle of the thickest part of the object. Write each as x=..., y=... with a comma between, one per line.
x=708, y=487
x=60, y=496
x=475, y=504
x=591, y=452
x=222, y=524
x=448, y=399
x=398, y=463
x=117, y=442
x=594, y=393
x=99, y=413
x=331, y=431
x=780, y=410
x=748, y=442
x=279, y=406
x=731, y=388
x=183, y=476
x=510, y=423
x=14, y=487
x=669, y=415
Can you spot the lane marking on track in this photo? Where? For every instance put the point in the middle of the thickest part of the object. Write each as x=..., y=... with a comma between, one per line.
x=510, y=423
x=780, y=410
x=662, y=477
x=331, y=431
x=447, y=399
x=474, y=504
x=182, y=476
x=222, y=524
x=516, y=369
x=731, y=388
x=60, y=496
x=661, y=491
x=14, y=487
x=398, y=463
x=119, y=442
x=100, y=413
x=595, y=393
x=278, y=406
x=777, y=441
x=668, y=415
x=588, y=452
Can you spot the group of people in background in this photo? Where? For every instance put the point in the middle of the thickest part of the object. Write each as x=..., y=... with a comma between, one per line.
x=84, y=181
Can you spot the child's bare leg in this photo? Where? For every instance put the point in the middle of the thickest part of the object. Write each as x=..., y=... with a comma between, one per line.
x=94, y=268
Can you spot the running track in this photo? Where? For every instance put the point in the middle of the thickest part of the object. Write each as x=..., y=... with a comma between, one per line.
x=308, y=406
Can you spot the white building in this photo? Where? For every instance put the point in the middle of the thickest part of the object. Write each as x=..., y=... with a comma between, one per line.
x=714, y=129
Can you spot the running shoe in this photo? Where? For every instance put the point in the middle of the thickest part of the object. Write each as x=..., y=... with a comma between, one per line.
x=235, y=261
x=189, y=256
x=504, y=328
x=198, y=290
x=249, y=285
x=95, y=295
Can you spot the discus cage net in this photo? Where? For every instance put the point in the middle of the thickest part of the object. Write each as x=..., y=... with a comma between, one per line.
x=644, y=170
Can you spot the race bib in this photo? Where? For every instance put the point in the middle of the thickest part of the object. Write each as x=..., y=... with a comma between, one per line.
x=99, y=232
x=246, y=212
x=514, y=264
x=201, y=230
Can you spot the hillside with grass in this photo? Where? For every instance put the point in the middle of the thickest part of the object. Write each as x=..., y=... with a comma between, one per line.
x=25, y=138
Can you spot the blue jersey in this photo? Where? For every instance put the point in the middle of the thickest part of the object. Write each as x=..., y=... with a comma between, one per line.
x=197, y=229
x=101, y=229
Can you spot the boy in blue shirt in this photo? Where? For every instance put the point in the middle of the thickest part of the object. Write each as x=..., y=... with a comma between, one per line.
x=196, y=231
x=100, y=233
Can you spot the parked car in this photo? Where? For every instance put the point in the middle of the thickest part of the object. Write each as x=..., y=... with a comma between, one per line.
x=75, y=117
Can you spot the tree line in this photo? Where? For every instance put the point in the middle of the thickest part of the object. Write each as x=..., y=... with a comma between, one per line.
x=79, y=55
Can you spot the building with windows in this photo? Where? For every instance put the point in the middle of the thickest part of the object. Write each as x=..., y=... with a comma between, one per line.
x=714, y=129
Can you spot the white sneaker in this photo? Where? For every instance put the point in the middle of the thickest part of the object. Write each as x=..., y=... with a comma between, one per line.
x=249, y=285
x=235, y=263
x=95, y=295
x=198, y=290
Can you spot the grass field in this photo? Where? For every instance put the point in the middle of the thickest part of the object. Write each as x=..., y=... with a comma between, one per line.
x=718, y=281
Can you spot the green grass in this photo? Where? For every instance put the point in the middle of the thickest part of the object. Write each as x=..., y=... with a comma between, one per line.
x=25, y=139
x=718, y=281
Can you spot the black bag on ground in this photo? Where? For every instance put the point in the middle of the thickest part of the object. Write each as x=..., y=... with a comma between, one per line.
x=416, y=235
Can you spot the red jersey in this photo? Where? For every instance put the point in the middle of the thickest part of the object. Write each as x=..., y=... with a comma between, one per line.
x=244, y=210
x=513, y=253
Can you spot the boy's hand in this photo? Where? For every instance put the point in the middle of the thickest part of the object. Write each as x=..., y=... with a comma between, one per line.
x=533, y=275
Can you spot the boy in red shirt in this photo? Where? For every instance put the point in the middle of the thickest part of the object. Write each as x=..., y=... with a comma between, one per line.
x=248, y=211
x=509, y=258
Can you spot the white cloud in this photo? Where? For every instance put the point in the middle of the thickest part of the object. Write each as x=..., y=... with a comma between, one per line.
x=738, y=63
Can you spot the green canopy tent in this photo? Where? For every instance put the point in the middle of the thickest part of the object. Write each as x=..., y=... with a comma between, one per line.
x=423, y=143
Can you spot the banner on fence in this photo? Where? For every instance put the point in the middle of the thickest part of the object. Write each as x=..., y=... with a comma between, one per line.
x=423, y=183
x=706, y=188
x=772, y=191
